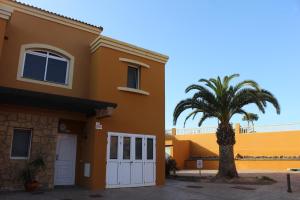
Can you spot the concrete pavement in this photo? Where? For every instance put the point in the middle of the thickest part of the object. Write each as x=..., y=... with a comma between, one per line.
x=177, y=190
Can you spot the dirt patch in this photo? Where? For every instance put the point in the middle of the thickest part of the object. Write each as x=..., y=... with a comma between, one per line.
x=194, y=186
x=95, y=196
x=186, y=178
x=260, y=180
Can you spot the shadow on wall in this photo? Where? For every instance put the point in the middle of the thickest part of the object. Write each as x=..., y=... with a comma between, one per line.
x=202, y=152
x=263, y=151
x=183, y=153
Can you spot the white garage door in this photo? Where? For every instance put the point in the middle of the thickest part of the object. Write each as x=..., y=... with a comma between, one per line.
x=130, y=160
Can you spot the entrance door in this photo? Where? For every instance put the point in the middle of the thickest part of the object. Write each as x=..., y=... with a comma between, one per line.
x=130, y=160
x=65, y=160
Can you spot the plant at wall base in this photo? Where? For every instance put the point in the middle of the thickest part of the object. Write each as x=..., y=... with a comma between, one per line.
x=217, y=98
x=28, y=174
x=171, y=166
x=250, y=117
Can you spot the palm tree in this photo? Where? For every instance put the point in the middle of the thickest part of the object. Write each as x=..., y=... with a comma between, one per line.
x=216, y=98
x=250, y=117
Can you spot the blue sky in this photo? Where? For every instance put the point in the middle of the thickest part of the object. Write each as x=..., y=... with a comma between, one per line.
x=260, y=40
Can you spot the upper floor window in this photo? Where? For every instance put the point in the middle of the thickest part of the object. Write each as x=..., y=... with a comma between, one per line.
x=46, y=66
x=133, y=77
x=134, y=71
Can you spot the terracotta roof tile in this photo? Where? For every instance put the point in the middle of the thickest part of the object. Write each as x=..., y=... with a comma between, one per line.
x=59, y=15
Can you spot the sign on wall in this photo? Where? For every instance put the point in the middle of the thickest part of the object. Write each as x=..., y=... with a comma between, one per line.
x=199, y=164
x=98, y=126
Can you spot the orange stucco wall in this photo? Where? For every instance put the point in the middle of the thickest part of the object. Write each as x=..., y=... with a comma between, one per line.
x=136, y=113
x=284, y=143
x=25, y=29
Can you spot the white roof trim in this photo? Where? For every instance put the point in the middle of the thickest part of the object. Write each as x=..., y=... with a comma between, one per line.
x=103, y=41
x=5, y=12
x=50, y=16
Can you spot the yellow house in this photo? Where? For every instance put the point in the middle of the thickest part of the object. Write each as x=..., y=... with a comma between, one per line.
x=91, y=106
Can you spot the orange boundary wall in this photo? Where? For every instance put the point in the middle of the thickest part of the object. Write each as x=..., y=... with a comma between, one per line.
x=284, y=143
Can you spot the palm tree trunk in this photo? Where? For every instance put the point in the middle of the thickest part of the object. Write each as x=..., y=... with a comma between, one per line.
x=227, y=167
x=226, y=140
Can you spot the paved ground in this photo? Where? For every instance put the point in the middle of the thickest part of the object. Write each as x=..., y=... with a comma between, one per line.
x=174, y=190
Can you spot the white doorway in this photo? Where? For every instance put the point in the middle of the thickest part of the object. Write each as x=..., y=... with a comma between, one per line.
x=131, y=160
x=65, y=159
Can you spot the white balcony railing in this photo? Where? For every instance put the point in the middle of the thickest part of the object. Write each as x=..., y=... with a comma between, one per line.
x=271, y=128
x=169, y=131
x=201, y=130
x=243, y=129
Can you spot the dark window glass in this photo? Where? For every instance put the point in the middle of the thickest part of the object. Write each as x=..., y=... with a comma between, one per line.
x=138, y=148
x=114, y=147
x=126, y=148
x=149, y=149
x=34, y=67
x=132, y=77
x=56, y=71
x=21, y=143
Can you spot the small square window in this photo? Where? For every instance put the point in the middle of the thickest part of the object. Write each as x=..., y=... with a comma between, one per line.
x=133, y=76
x=21, y=143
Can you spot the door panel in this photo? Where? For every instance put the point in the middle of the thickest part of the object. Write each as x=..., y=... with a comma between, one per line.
x=149, y=172
x=137, y=173
x=124, y=174
x=112, y=173
x=65, y=160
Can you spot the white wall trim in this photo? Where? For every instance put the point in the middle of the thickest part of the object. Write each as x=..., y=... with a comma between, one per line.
x=51, y=48
x=127, y=89
x=134, y=62
x=5, y=12
x=103, y=41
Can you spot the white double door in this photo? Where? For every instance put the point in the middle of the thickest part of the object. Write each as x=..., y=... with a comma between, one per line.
x=131, y=160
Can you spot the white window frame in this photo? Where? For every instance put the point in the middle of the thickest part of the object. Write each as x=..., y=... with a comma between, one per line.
x=46, y=55
x=63, y=55
x=29, y=148
x=138, y=74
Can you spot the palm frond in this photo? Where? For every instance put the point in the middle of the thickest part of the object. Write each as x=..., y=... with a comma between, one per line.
x=216, y=97
x=193, y=113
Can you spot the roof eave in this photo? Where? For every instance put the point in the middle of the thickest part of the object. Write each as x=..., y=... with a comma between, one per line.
x=51, y=16
x=104, y=41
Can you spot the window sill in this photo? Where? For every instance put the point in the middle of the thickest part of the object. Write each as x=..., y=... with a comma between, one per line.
x=19, y=158
x=127, y=89
x=43, y=82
